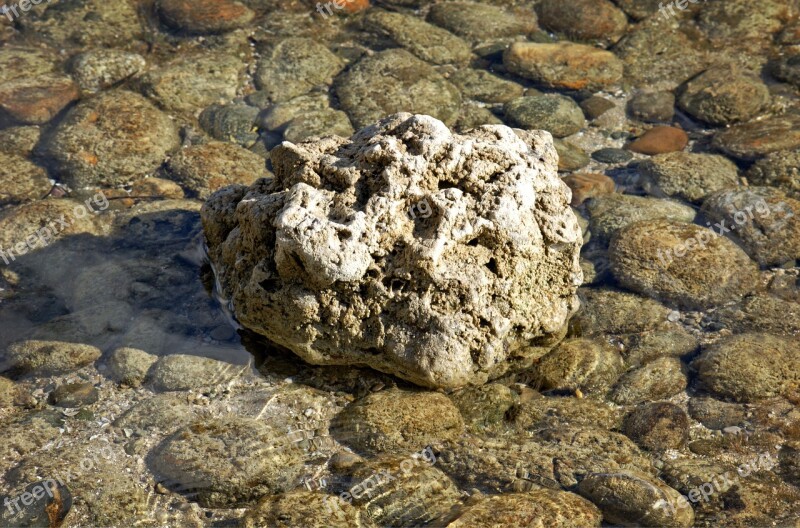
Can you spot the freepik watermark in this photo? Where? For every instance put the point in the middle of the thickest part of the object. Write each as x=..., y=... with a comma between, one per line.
x=368, y=485
x=44, y=236
x=51, y=485
x=719, y=484
x=740, y=218
x=669, y=9
x=24, y=6
x=329, y=6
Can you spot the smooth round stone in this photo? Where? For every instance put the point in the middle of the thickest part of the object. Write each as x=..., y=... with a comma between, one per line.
x=687, y=176
x=724, y=95
x=327, y=122
x=596, y=21
x=787, y=69
x=37, y=100
x=716, y=414
x=231, y=123
x=731, y=368
x=760, y=313
x=204, y=169
x=21, y=180
x=131, y=141
x=19, y=141
x=474, y=116
x=550, y=411
x=163, y=413
x=393, y=419
x=72, y=395
x=763, y=220
x=608, y=214
x=612, y=156
x=557, y=114
x=750, y=141
x=591, y=366
x=204, y=16
x=191, y=83
x=632, y=498
x=648, y=346
x=130, y=365
x=595, y=106
x=294, y=66
x=227, y=462
x=46, y=503
x=544, y=507
x=279, y=115
x=652, y=107
x=387, y=73
x=605, y=311
x=428, y=42
x=180, y=372
x=657, y=380
x=483, y=406
x=564, y=65
x=99, y=69
x=659, y=140
x=570, y=157
x=13, y=395
x=779, y=169
x=681, y=264
x=301, y=507
x=657, y=426
x=478, y=21
x=484, y=86
x=588, y=185
x=44, y=358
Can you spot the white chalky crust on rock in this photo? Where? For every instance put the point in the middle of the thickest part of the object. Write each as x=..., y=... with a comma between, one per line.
x=327, y=261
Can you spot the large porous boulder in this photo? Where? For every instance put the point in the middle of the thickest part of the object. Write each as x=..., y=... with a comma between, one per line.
x=443, y=259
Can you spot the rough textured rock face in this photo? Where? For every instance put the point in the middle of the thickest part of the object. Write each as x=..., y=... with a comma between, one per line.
x=443, y=259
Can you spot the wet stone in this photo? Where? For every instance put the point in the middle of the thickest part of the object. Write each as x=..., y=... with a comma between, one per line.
x=310, y=509
x=19, y=141
x=294, y=66
x=231, y=123
x=657, y=426
x=750, y=141
x=383, y=84
x=478, y=21
x=21, y=180
x=657, y=380
x=191, y=83
x=590, y=366
x=611, y=213
x=73, y=395
x=730, y=369
x=13, y=394
x=612, y=156
x=660, y=140
x=327, y=122
x=595, y=21
x=42, y=358
x=111, y=139
x=763, y=220
x=595, y=106
x=45, y=503
x=687, y=176
x=278, y=116
x=666, y=260
x=37, y=100
x=716, y=414
x=670, y=342
x=652, y=107
x=474, y=116
x=178, y=372
x=605, y=311
x=633, y=498
x=570, y=157
x=203, y=16
x=397, y=420
x=428, y=42
x=204, y=169
x=542, y=412
x=551, y=508
x=484, y=86
x=162, y=413
x=557, y=114
x=99, y=69
x=564, y=65
x=760, y=313
x=780, y=169
x=724, y=95
x=226, y=462
x=588, y=185
x=130, y=365
x=484, y=406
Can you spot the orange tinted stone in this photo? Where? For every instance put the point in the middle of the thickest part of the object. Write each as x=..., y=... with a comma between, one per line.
x=204, y=16
x=588, y=185
x=36, y=101
x=660, y=140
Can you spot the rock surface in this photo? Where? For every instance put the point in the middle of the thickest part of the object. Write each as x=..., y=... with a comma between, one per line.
x=431, y=224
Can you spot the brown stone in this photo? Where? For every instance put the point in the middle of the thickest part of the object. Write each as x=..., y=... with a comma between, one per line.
x=35, y=101
x=204, y=16
x=660, y=140
x=588, y=185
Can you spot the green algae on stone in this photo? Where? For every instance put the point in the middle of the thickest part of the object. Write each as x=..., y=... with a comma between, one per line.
x=538, y=508
x=590, y=366
x=657, y=380
x=48, y=357
x=687, y=176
